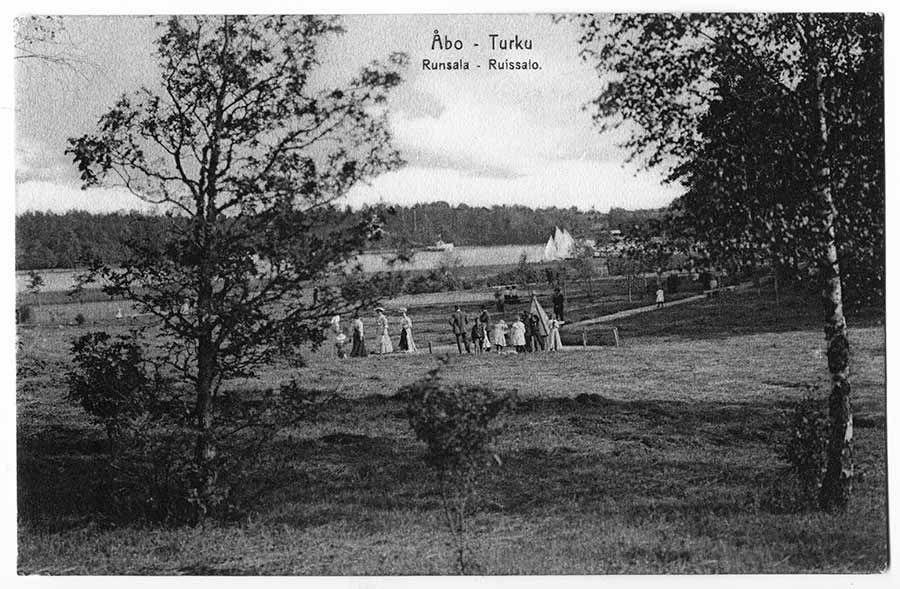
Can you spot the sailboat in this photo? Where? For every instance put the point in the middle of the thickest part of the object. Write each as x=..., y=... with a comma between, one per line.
x=559, y=245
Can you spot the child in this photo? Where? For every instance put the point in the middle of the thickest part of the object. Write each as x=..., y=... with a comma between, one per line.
x=499, y=338
x=478, y=337
x=339, y=343
x=517, y=335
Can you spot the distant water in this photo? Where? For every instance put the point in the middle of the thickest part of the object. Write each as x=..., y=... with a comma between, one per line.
x=466, y=256
x=62, y=280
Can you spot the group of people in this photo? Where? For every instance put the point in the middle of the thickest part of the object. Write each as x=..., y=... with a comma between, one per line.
x=505, y=294
x=358, y=339
x=528, y=333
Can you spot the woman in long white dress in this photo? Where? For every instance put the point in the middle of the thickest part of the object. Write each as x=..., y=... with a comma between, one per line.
x=406, y=339
x=554, y=342
x=339, y=338
x=386, y=346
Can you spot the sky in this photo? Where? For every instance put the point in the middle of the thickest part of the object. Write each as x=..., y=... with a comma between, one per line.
x=479, y=137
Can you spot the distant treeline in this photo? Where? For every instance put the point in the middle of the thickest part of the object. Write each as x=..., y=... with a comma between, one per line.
x=69, y=240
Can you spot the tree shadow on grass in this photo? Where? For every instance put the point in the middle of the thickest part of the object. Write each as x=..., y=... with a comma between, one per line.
x=673, y=458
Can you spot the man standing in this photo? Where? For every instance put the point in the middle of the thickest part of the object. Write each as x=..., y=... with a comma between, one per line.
x=558, y=303
x=529, y=334
x=537, y=332
x=459, y=322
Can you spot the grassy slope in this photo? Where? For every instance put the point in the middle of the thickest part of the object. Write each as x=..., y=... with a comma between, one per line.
x=661, y=471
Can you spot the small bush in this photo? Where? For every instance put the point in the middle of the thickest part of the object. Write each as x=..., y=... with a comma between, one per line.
x=152, y=474
x=803, y=449
x=80, y=319
x=24, y=314
x=456, y=424
x=109, y=379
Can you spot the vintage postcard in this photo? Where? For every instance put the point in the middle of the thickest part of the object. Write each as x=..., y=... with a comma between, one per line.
x=450, y=294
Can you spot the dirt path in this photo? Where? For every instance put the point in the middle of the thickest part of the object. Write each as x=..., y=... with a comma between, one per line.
x=648, y=308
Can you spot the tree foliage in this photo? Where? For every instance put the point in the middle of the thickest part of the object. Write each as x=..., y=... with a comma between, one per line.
x=75, y=238
x=773, y=122
x=744, y=201
x=44, y=39
x=725, y=104
x=248, y=156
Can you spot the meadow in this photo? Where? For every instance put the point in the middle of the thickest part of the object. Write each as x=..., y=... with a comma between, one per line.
x=657, y=456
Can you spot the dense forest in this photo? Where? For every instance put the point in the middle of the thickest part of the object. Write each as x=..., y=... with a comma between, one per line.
x=70, y=240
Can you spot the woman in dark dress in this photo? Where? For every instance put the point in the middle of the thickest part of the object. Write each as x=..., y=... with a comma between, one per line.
x=359, y=342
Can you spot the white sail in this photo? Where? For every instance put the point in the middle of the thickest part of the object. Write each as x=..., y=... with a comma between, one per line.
x=560, y=246
x=550, y=250
x=565, y=244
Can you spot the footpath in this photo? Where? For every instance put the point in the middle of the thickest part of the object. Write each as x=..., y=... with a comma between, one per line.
x=647, y=308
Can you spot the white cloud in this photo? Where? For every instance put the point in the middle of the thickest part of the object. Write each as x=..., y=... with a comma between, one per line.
x=39, y=195
x=477, y=137
x=583, y=184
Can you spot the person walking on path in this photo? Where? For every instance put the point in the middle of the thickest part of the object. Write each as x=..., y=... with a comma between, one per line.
x=358, y=349
x=517, y=335
x=386, y=346
x=660, y=297
x=499, y=335
x=406, y=339
x=559, y=302
x=554, y=342
x=459, y=323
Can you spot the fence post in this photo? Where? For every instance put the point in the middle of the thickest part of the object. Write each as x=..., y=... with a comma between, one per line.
x=429, y=347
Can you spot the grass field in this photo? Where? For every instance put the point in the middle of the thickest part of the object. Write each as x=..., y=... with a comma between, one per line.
x=653, y=457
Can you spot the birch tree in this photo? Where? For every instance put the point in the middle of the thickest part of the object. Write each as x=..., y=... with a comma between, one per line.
x=661, y=73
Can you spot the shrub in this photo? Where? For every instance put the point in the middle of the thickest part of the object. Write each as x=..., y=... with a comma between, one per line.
x=156, y=477
x=673, y=282
x=24, y=314
x=80, y=319
x=109, y=379
x=805, y=448
x=455, y=422
x=152, y=473
x=802, y=448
